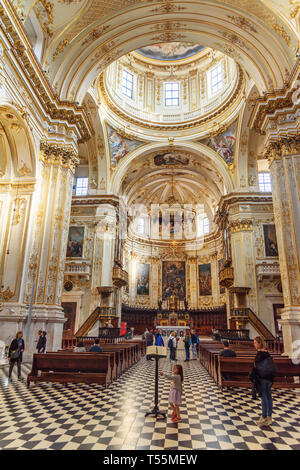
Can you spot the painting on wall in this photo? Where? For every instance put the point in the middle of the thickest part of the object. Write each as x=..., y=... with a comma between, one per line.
x=270, y=239
x=75, y=242
x=170, y=158
x=221, y=265
x=143, y=277
x=223, y=143
x=171, y=50
x=119, y=146
x=205, y=287
x=173, y=279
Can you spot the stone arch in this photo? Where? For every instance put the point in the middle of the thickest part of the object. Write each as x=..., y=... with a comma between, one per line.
x=251, y=40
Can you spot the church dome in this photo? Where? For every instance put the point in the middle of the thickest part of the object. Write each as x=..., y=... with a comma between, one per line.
x=171, y=87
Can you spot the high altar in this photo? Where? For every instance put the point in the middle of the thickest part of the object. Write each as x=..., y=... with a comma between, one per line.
x=171, y=320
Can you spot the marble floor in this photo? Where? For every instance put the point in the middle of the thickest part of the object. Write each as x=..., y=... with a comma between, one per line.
x=87, y=417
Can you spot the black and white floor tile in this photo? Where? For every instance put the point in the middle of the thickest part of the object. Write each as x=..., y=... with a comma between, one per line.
x=88, y=417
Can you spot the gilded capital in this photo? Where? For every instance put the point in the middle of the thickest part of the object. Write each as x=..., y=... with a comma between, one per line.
x=58, y=155
x=283, y=147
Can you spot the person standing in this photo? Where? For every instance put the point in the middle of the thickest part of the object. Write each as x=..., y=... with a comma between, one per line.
x=158, y=339
x=172, y=343
x=187, y=344
x=176, y=391
x=15, y=353
x=265, y=372
x=41, y=345
x=149, y=342
x=194, y=343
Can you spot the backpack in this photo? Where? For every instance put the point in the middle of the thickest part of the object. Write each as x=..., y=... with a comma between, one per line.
x=170, y=343
x=266, y=368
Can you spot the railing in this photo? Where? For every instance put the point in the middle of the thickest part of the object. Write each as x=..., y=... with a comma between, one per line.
x=89, y=323
x=235, y=334
x=113, y=333
x=253, y=319
x=74, y=268
x=275, y=347
x=267, y=269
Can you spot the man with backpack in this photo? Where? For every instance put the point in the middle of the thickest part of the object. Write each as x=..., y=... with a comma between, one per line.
x=172, y=343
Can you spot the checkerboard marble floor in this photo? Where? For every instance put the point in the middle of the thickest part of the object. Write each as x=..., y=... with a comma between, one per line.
x=84, y=417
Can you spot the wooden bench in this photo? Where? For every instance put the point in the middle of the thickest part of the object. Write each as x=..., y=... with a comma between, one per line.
x=238, y=368
x=111, y=355
x=70, y=368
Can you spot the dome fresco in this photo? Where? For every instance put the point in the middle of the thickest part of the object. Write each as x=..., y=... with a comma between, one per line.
x=171, y=50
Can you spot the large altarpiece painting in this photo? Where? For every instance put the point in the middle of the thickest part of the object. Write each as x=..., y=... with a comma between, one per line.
x=173, y=279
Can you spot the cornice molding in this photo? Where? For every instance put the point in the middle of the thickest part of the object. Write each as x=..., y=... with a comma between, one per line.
x=275, y=101
x=23, y=55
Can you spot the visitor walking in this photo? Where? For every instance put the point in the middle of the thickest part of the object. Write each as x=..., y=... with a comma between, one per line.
x=265, y=370
x=176, y=391
x=172, y=344
x=187, y=344
x=15, y=353
x=149, y=342
x=194, y=343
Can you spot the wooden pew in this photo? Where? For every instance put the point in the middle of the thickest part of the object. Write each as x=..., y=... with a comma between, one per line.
x=238, y=369
x=111, y=355
x=70, y=368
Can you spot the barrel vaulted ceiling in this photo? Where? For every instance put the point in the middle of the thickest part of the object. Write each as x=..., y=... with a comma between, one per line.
x=80, y=38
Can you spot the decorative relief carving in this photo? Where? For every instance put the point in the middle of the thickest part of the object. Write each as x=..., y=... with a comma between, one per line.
x=60, y=48
x=242, y=23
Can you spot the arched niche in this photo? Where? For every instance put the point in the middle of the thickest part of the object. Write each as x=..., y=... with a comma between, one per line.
x=17, y=154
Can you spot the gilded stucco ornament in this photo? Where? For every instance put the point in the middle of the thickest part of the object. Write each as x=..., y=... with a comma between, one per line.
x=283, y=147
x=58, y=155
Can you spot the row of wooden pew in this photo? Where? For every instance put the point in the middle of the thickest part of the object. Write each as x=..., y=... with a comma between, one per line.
x=234, y=371
x=66, y=366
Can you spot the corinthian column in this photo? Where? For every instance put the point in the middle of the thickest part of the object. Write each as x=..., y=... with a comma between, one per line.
x=48, y=249
x=284, y=158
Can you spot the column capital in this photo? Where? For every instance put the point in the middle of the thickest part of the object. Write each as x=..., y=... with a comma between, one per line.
x=54, y=154
x=282, y=147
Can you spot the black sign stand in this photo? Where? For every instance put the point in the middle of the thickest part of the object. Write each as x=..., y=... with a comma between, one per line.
x=155, y=410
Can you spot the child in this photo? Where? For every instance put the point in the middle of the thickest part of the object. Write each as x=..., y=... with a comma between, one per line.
x=176, y=391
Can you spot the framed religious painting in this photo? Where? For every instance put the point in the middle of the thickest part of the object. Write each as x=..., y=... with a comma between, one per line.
x=143, y=279
x=270, y=241
x=205, y=285
x=75, y=242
